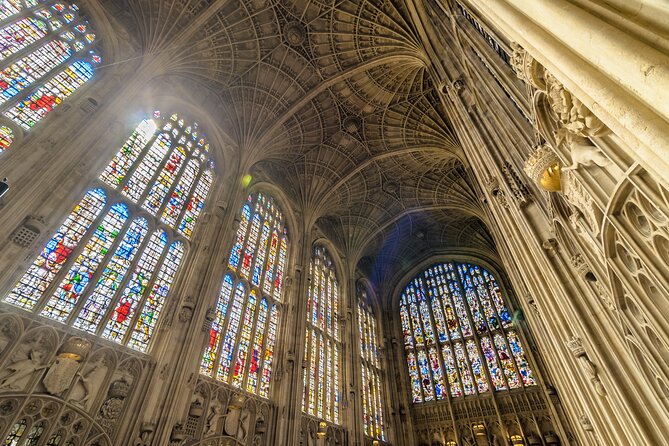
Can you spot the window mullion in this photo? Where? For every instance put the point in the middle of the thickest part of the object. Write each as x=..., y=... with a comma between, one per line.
x=247, y=235
x=92, y=283
x=476, y=337
x=489, y=333
x=238, y=335
x=175, y=183
x=505, y=337
x=149, y=287
x=24, y=12
x=256, y=251
x=155, y=177
x=462, y=340
x=71, y=258
x=189, y=193
x=474, y=328
x=135, y=165
x=265, y=338
x=139, y=252
x=48, y=37
x=225, y=324
x=252, y=336
x=435, y=334
x=426, y=347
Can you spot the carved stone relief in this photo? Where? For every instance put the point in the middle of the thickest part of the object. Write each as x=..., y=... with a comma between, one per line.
x=590, y=369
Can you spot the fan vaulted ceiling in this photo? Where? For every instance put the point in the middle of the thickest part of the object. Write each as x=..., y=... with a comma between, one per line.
x=331, y=101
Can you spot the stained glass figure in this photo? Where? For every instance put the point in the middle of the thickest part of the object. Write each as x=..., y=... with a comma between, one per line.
x=48, y=53
x=372, y=401
x=242, y=338
x=103, y=271
x=6, y=138
x=458, y=334
x=41, y=273
x=322, y=392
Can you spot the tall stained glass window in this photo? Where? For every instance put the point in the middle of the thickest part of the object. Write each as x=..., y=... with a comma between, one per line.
x=47, y=51
x=242, y=339
x=322, y=393
x=107, y=270
x=371, y=393
x=458, y=335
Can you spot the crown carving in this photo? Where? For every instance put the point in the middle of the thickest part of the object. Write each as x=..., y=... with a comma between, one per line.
x=543, y=167
x=75, y=348
x=576, y=346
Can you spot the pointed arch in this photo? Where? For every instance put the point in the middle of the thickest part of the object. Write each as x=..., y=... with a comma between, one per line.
x=458, y=334
x=49, y=52
x=109, y=268
x=323, y=346
x=242, y=337
x=371, y=392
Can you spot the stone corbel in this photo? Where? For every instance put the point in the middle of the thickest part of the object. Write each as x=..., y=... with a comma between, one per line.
x=493, y=187
x=209, y=317
x=526, y=67
x=146, y=432
x=570, y=112
x=576, y=346
x=178, y=434
x=572, y=122
x=585, y=272
x=186, y=312
x=532, y=303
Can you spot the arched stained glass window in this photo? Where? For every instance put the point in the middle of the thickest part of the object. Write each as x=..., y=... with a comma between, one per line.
x=242, y=338
x=107, y=270
x=322, y=348
x=372, y=388
x=458, y=335
x=47, y=53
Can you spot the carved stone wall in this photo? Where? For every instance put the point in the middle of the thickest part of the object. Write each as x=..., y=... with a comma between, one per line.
x=61, y=386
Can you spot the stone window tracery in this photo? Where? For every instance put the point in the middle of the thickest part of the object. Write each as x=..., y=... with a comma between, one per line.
x=109, y=267
x=458, y=335
x=242, y=338
x=372, y=387
x=322, y=347
x=47, y=53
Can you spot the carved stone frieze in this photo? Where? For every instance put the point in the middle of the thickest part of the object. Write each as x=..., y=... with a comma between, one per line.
x=570, y=112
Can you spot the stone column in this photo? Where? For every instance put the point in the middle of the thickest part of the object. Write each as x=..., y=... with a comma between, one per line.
x=614, y=74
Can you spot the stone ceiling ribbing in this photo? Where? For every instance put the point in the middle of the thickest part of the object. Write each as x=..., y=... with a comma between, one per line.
x=331, y=101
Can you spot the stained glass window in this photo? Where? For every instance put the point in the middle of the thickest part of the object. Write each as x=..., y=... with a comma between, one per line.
x=322, y=396
x=48, y=52
x=242, y=338
x=372, y=388
x=6, y=137
x=458, y=335
x=105, y=271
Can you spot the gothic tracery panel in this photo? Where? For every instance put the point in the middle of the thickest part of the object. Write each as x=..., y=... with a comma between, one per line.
x=242, y=338
x=459, y=336
x=48, y=52
x=322, y=394
x=108, y=271
x=372, y=386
